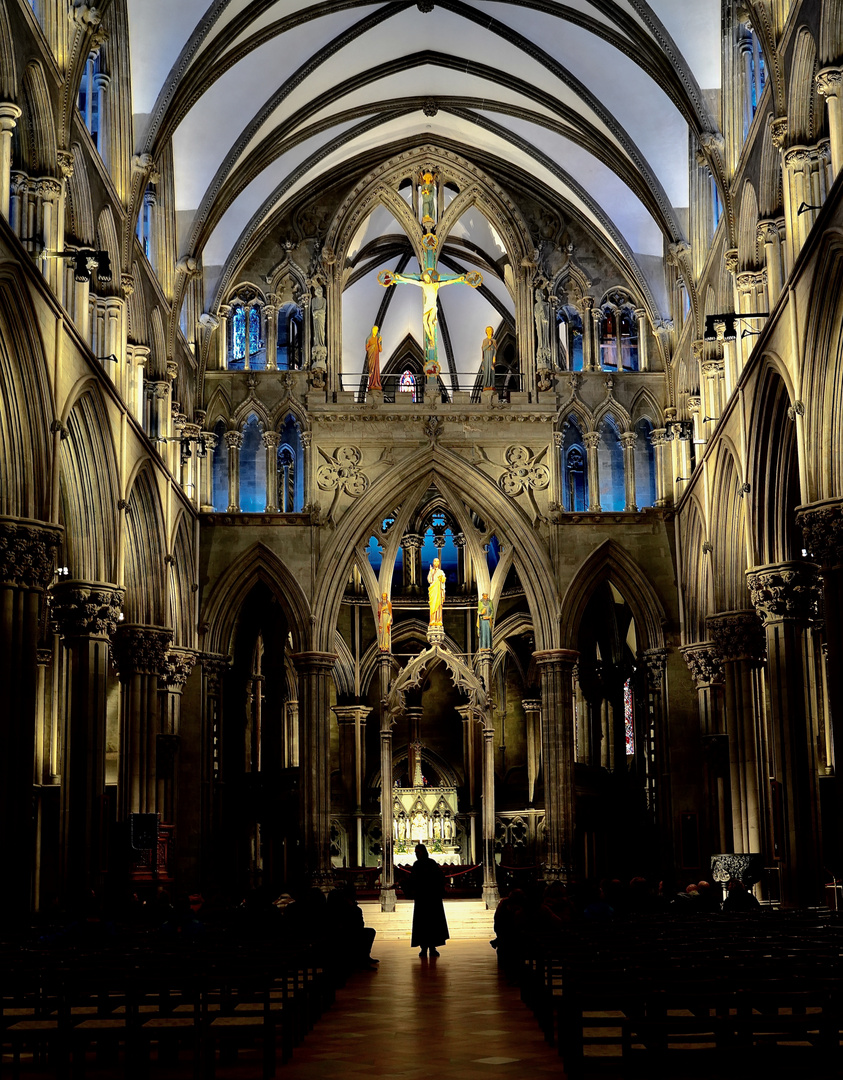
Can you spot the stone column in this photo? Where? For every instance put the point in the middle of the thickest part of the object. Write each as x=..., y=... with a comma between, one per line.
x=822, y=529
x=708, y=677
x=270, y=314
x=271, y=441
x=9, y=116
x=739, y=644
x=49, y=194
x=713, y=372
x=533, y=723
x=588, y=356
x=768, y=233
x=412, y=544
x=314, y=670
x=387, y=845
x=86, y=615
x=556, y=667
x=206, y=472
x=469, y=757
x=308, y=470
x=214, y=667
x=491, y=895
x=177, y=668
x=222, y=338
x=140, y=654
x=658, y=437
x=352, y=729
x=27, y=556
x=829, y=86
x=628, y=439
x=591, y=439
x=233, y=440
x=643, y=350
x=784, y=596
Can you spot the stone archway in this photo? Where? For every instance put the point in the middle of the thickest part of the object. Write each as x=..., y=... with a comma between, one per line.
x=474, y=685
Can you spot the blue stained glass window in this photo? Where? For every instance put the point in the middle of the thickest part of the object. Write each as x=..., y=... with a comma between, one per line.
x=407, y=384
x=375, y=554
x=628, y=730
x=255, y=343
x=238, y=332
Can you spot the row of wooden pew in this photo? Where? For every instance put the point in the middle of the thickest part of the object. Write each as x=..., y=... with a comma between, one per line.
x=646, y=990
x=122, y=1012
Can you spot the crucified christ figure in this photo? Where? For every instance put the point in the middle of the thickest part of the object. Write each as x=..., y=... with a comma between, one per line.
x=430, y=282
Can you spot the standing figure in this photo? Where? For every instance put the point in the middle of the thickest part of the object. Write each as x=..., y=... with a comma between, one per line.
x=436, y=592
x=430, y=282
x=428, y=200
x=318, y=313
x=490, y=349
x=426, y=886
x=374, y=347
x=541, y=312
x=385, y=623
x=485, y=616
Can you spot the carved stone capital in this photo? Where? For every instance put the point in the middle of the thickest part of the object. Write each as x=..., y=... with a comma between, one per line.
x=737, y=635
x=565, y=659
x=778, y=132
x=628, y=440
x=214, y=666
x=172, y=370
x=830, y=82
x=656, y=661
x=27, y=552
x=730, y=260
x=591, y=439
x=9, y=115
x=272, y=439
x=697, y=349
x=658, y=437
x=233, y=439
x=704, y=664
x=767, y=231
x=177, y=668
x=140, y=650
x=210, y=440
x=314, y=663
x=783, y=591
x=86, y=608
x=822, y=529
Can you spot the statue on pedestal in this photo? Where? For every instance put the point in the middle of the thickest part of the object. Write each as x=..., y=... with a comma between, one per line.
x=541, y=313
x=436, y=592
x=374, y=347
x=385, y=623
x=485, y=617
x=490, y=350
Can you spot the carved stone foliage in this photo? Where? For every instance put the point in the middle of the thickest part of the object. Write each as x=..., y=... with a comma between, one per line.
x=341, y=472
x=784, y=591
x=140, y=650
x=746, y=868
x=178, y=666
x=704, y=664
x=214, y=665
x=822, y=528
x=463, y=678
x=737, y=635
x=27, y=553
x=86, y=609
x=656, y=660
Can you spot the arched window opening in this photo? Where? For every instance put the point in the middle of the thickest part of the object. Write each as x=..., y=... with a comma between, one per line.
x=289, y=337
x=220, y=469
x=145, y=220
x=574, y=469
x=253, y=468
x=407, y=384
x=753, y=75
x=493, y=554
x=237, y=344
x=610, y=466
x=398, y=571
x=645, y=465
x=290, y=468
x=618, y=337
x=569, y=335
x=374, y=553
x=257, y=348
x=439, y=544
x=91, y=89
x=716, y=204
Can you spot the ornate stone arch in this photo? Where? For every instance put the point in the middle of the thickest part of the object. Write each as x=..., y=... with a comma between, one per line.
x=611, y=562
x=144, y=550
x=435, y=466
x=219, y=408
x=804, y=107
x=696, y=583
x=252, y=405
x=572, y=281
x=80, y=211
x=645, y=406
x=612, y=408
x=181, y=580
x=730, y=536
x=259, y=564
x=107, y=240
x=8, y=67
x=40, y=121
x=463, y=677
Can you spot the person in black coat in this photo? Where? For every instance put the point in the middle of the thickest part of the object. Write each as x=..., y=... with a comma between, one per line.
x=426, y=886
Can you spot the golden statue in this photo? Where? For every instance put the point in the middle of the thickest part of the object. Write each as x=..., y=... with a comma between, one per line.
x=385, y=623
x=436, y=592
x=374, y=346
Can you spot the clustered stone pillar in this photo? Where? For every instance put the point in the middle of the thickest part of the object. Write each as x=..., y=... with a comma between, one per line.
x=592, y=442
x=822, y=528
x=270, y=314
x=532, y=716
x=784, y=596
x=207, y=472
x=140, y=654
x=661, y=452
x=86, y=615
x=386, y=726
x=830, y=86
x=352, y=729
x=214, y=667
x=469, y=757
x=643, y=350
x=490, y=885
x=556, y=667
x=314, y=671
x=707, y=673
x=628, y=439
x=739, y=643
x=27, y=555
x=177, y=668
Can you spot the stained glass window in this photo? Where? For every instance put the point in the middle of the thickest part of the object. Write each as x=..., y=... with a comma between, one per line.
x=238, y=332
x=254, y=330
x=628, y=730
x=407, y=384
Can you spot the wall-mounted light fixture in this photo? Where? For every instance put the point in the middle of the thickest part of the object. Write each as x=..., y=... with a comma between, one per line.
x=805, y=207
x=729, y=318
x=85, y=261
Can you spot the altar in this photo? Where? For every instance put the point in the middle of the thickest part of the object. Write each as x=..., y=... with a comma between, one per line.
x=425, y=815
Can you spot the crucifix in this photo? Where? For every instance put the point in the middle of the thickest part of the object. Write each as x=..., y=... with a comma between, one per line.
x=430, y=281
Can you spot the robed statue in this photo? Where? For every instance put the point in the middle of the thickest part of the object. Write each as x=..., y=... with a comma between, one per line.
x=485, y=617
x=542, y=313
x=374, y=347
x=436, y=592
x=385, y=623
x=490, y=350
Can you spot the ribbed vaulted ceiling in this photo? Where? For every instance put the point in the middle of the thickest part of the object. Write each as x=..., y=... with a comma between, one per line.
x=264, y=99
